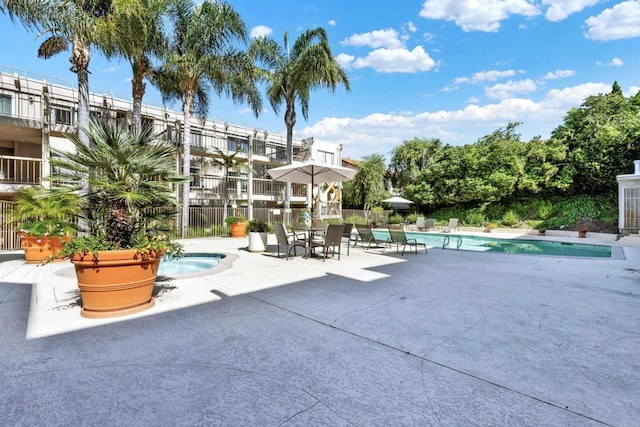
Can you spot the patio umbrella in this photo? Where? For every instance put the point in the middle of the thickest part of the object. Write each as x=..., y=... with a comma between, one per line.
x=397, y=202
x=396, y=199
x=312, y=173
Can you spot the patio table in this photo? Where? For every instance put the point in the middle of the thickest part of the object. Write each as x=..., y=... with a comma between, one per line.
x=309, y=231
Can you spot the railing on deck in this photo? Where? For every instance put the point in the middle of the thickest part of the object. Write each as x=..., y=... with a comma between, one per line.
x=20, y=170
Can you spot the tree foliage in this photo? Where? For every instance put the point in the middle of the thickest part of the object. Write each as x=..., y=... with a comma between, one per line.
x=367, y=189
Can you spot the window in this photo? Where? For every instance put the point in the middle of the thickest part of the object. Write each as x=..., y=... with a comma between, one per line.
x=195, y=177
x=234, y=143
x=5, y=105
x=62, y=116
x=325, y=157
x=196, y=139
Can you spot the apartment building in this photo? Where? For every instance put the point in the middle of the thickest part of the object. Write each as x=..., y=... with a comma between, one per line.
x=36, y=112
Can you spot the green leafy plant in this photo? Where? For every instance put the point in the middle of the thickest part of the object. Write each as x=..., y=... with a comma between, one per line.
x=510, y=218
x=475, y=218
x=544, y=209
x=38, y=213
x=396, y=219
x=232, y=219
x=129, y=203
x=259, y=226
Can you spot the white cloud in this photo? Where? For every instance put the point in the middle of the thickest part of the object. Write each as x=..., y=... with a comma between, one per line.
x=484, y=76
x=558, y=74
x=560, y=9
x=109, y=70
x=510, y=88
x=260, y=30
x=411, y=27
x=387, y=38
x=397, y=60
x=615, y=62
x=483, y=15
x=332, y=22
x=380, y=132
x=622, y=21
x=345, y=60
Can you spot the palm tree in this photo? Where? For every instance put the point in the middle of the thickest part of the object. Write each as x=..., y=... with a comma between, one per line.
x=67, y=24
x=203, y=55
x=293, y=73
x=229, y=163
x=137, y=35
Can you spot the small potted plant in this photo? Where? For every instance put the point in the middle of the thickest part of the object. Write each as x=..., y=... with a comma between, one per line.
x=126, y=208
x=582, y=232
x=490, y=227
x=44, y=222
x=237, y=225
x=258, y=234
x=542, y=231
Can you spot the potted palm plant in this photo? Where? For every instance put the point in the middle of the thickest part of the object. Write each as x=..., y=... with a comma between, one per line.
x=128, y=207
x=258, y=235
x=43, y=222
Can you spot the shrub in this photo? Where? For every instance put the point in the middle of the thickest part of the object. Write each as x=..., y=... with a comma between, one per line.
x=475, y=218
x=396, y=219
x=544, y=209
x=355, y=219
x=412, y=217
x=510, y=218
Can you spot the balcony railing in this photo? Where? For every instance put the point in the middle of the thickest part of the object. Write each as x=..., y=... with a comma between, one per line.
x=238, y=188
x=20, y=170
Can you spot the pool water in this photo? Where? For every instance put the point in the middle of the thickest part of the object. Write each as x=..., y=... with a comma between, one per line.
x=513, y=246
x=190, y=263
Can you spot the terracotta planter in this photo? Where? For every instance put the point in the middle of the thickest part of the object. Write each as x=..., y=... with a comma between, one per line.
x=239, y=229
x=38, y=249
x=257, y=241
x=116, y=283
x=582, y=233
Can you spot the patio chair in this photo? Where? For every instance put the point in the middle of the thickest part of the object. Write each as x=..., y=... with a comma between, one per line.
x=428, y=224
x=289, y=240
x=317, y=223
x=366, y=236
x=332, y=241
x=398, y=237
x=453, y=225
x=348, y=236
x=419, y=225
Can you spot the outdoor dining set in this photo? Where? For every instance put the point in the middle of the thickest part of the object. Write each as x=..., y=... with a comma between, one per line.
x=332, y=237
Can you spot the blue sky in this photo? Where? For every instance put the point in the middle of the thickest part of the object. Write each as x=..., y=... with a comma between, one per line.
x=450, y=69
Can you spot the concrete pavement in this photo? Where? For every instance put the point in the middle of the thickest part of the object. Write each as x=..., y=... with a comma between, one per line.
x=447, y=338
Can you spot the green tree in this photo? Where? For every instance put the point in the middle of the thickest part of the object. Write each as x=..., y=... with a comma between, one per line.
x=292, y=73
x=66, y=25
x=411, y=158
x=228, y=162
x=204, y=55
x=137, y=35
x=368, y=186
x=602, y=138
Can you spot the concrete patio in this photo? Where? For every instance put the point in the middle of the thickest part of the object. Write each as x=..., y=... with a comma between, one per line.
x=448, y=338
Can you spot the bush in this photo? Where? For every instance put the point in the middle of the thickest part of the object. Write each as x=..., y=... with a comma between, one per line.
x=355, y=219
x=475, y=218
x=510, y=218
x=396, y=219
x=544, y=209
x=412, y=217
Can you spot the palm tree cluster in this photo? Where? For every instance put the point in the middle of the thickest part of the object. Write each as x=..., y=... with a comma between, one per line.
x=199, y=48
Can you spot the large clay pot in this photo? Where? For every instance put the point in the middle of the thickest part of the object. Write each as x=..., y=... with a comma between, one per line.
x=38, y=249
x=239, y=229
x=116, y=283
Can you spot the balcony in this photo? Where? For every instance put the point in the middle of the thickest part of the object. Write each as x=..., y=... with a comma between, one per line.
x=20, y=170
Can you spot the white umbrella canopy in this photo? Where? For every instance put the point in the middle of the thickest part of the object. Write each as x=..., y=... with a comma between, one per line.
x=312, y=173
x=397, y=200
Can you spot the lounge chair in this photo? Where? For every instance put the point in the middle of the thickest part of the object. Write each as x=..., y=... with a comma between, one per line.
x=428, y=224
x=398, y=237
x=289, y=240
x=332, y=241
x=366, y=236
x=418, y=225
x=453, y=225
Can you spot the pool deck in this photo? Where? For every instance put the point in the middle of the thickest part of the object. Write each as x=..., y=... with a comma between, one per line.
x=375, y=339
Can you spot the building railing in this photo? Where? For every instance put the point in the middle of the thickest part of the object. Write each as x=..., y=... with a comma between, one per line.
x=20, y=170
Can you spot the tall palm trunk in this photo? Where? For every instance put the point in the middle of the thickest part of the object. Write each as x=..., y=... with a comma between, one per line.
x=187, y=112
x=137, y=92
x=290, y=121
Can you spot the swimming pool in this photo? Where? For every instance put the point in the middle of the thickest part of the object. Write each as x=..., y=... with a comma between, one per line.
x=513, y=246
x=190, y=263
